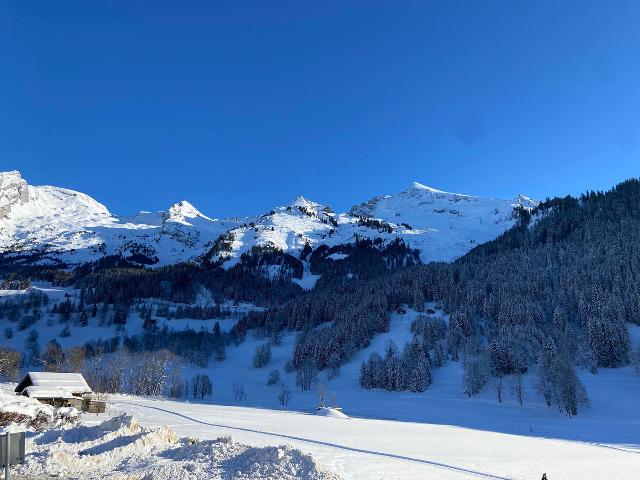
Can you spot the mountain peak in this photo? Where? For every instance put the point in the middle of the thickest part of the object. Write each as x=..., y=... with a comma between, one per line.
x=526, y=202
x=11, y=173
x=303, y=202
x=422, y=187
x=13, y=190
x=183, y=210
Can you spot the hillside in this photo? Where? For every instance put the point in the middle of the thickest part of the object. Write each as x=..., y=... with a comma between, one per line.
x=501, y=345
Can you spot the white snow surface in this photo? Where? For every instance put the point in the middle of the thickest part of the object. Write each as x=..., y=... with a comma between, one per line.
x=444, y=225
x=360, y=448
x=55, y=385
x=72, y=227
x=119, y=448
x=31, y=408
x=330, y=412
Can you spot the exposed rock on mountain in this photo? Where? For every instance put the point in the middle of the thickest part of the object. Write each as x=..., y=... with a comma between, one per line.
x=13, y=190
x=51, y=225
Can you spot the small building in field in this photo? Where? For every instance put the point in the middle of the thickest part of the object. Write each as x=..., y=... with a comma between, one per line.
x=60, y=390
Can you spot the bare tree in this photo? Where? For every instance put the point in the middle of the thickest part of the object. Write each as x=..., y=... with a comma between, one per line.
x=274, y=377
x=322, y=395
x=73, y=359
x=476, y=368
x=9, y=364
x=114, y=374
x=53, y=357
x=285, y=395
x=239, y=392
x=306, y=375
x=262, y=355
x=149, y=372
x=201, y=386
x=175, y=379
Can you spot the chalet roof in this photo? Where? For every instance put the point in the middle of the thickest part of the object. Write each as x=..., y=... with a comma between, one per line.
x=46, y=392
x=37, y=384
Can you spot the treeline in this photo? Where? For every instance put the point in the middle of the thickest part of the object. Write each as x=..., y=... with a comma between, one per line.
x=567, y=275
x=113, y=365
x=196, y=312
x=181, y=283
x=408, y=370
x=365, y=259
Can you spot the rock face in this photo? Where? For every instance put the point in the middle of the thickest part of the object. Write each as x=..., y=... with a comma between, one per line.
x=13, y=190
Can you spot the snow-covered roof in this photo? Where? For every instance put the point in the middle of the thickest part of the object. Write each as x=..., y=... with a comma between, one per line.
x=36, y=384
x=47, y=392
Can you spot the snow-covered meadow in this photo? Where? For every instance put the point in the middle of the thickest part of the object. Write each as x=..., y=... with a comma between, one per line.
x=359, y=448
x=387, y=435
x=439, y=433
x=157, y=439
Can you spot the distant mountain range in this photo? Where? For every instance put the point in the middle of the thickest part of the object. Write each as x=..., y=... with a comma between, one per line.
x=51, y=225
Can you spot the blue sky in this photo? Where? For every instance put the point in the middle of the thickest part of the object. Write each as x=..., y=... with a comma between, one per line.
x=238, y=106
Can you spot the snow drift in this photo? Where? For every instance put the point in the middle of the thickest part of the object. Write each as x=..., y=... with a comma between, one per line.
x=119, y=448
x=28, y=413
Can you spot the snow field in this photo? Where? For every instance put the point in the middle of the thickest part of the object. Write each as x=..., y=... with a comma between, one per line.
x=119, y=448
x=380, y=449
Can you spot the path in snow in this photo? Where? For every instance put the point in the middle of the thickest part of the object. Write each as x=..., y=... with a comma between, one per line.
x=376, y=449
x=333, y=445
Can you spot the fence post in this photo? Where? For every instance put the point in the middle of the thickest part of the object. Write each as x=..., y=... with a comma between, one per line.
x=7, y=457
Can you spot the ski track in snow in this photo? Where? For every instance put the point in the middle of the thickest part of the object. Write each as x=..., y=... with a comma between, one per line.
x=333, y=445
x=358, y=448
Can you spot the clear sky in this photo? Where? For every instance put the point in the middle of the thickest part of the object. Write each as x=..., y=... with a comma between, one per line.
x=239, y=106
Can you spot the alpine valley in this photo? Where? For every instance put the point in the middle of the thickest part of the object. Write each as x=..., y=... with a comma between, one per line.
x=443, y=335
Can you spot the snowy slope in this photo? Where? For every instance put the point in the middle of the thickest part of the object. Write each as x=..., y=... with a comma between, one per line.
x=71, y=227
x=363, y=449
x=439, y=433
x=444, y=225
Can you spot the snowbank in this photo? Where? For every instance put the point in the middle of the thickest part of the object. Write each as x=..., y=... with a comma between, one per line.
x=30, y=414
x=120, y=448
x=330, y=412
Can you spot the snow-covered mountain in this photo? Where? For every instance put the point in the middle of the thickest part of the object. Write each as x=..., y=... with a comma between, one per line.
x=443, y=225
x=61, y=225
x=13, y=191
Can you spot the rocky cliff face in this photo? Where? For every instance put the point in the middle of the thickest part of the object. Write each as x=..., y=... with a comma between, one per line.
x=13, y=190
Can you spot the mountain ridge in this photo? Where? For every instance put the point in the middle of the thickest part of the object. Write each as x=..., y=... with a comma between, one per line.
x=63, y=226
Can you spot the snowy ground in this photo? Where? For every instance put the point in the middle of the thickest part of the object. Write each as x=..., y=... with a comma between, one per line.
x=437, y=434
x=156, y=439
x=381, y=449
x=119, y=448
